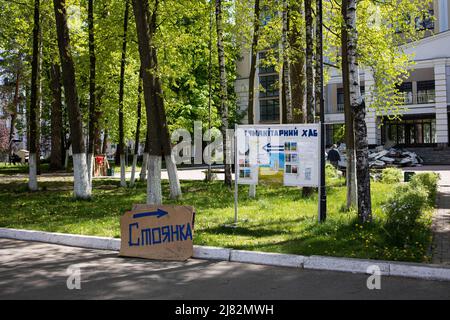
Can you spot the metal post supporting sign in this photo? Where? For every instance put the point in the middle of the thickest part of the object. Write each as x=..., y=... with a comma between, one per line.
x=236, y=172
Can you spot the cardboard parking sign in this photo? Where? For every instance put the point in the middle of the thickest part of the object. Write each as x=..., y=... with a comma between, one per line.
x=158, y=232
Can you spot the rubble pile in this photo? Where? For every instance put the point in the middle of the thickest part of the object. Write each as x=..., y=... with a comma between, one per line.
x=381, y=158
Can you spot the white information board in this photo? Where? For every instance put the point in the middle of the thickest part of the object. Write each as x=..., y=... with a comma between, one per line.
x=288, y=154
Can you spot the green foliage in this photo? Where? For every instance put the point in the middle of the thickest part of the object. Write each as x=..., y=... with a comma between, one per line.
x=406, y=214
x=338, y=133
x=392, y=175
x=331, y=172
x=428, y=180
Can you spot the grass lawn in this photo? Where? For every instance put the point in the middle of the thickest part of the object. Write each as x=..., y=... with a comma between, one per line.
x=279, y=220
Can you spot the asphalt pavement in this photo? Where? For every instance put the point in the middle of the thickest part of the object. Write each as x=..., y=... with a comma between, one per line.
x=31, y=270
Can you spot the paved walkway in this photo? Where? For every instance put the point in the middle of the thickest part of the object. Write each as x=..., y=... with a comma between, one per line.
x=441, y=218
x=441, y=222
x=31, y=270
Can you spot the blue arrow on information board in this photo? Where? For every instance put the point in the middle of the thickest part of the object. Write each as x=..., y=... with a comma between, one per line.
x=159, y=213
x=270, y=148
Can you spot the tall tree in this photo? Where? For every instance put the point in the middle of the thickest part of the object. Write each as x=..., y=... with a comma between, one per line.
x=253, y=59
x=174, y=182
x=138, y=131
x=297, y=67
x=309, y=62
x=14, y=111
x=359, y=112
x=223, y=95
x=310, y=106
x=157, y=130
x=352, y=194
x=57, y=147
x=143, y=173
x=286, y=101
x=93, y=121
x=251, y=79
x=82, y=187
x=121, y=145
x=34, y=114
x=318, y=88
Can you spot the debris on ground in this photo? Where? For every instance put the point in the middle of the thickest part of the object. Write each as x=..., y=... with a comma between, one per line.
x=380, y=158
x=393, y=157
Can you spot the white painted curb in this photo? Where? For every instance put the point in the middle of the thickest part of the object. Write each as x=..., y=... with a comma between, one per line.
x=428, y=272
x=74, y=240
x=410, y=270
x=345, y=264
x=211, y=253
x=266, y=258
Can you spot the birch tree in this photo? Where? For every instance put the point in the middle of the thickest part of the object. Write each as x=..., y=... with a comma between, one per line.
x=352, y=194
x=359, y=112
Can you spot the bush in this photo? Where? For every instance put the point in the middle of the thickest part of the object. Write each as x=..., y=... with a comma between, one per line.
x=392, y=175
x=429, y=181
x=331, y=172
x=404, y=211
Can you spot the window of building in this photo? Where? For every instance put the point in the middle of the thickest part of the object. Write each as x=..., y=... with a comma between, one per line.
x=425, y=92
x=407, y=92
x=340, y=99
x=410, y=132
x=270, y=86
x=269, y=110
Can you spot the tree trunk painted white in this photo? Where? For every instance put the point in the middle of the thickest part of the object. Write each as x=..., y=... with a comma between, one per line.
x=154, y=194
x=175, y=188
x=252, y=191
x=143, y=174
x=81, y=186
x=133, y=170
x=352, y=192
x=123, y=180
x=90, y=167
x=32, y=182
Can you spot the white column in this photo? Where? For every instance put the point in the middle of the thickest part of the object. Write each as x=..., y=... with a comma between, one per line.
x=440, y=78
x=371, y=118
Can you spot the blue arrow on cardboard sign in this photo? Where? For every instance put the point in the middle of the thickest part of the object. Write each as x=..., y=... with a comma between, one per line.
x=270, y=148
x=159, y=213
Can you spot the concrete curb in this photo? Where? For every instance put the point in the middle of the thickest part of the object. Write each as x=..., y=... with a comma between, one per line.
x=266, y=258
x=345, y=264
x=387, y=268
x=211, y=253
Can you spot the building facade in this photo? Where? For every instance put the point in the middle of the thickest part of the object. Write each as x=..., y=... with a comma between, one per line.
x=426, y=109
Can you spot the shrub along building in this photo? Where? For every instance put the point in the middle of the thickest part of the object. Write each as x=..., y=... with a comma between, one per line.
x=424, y=124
